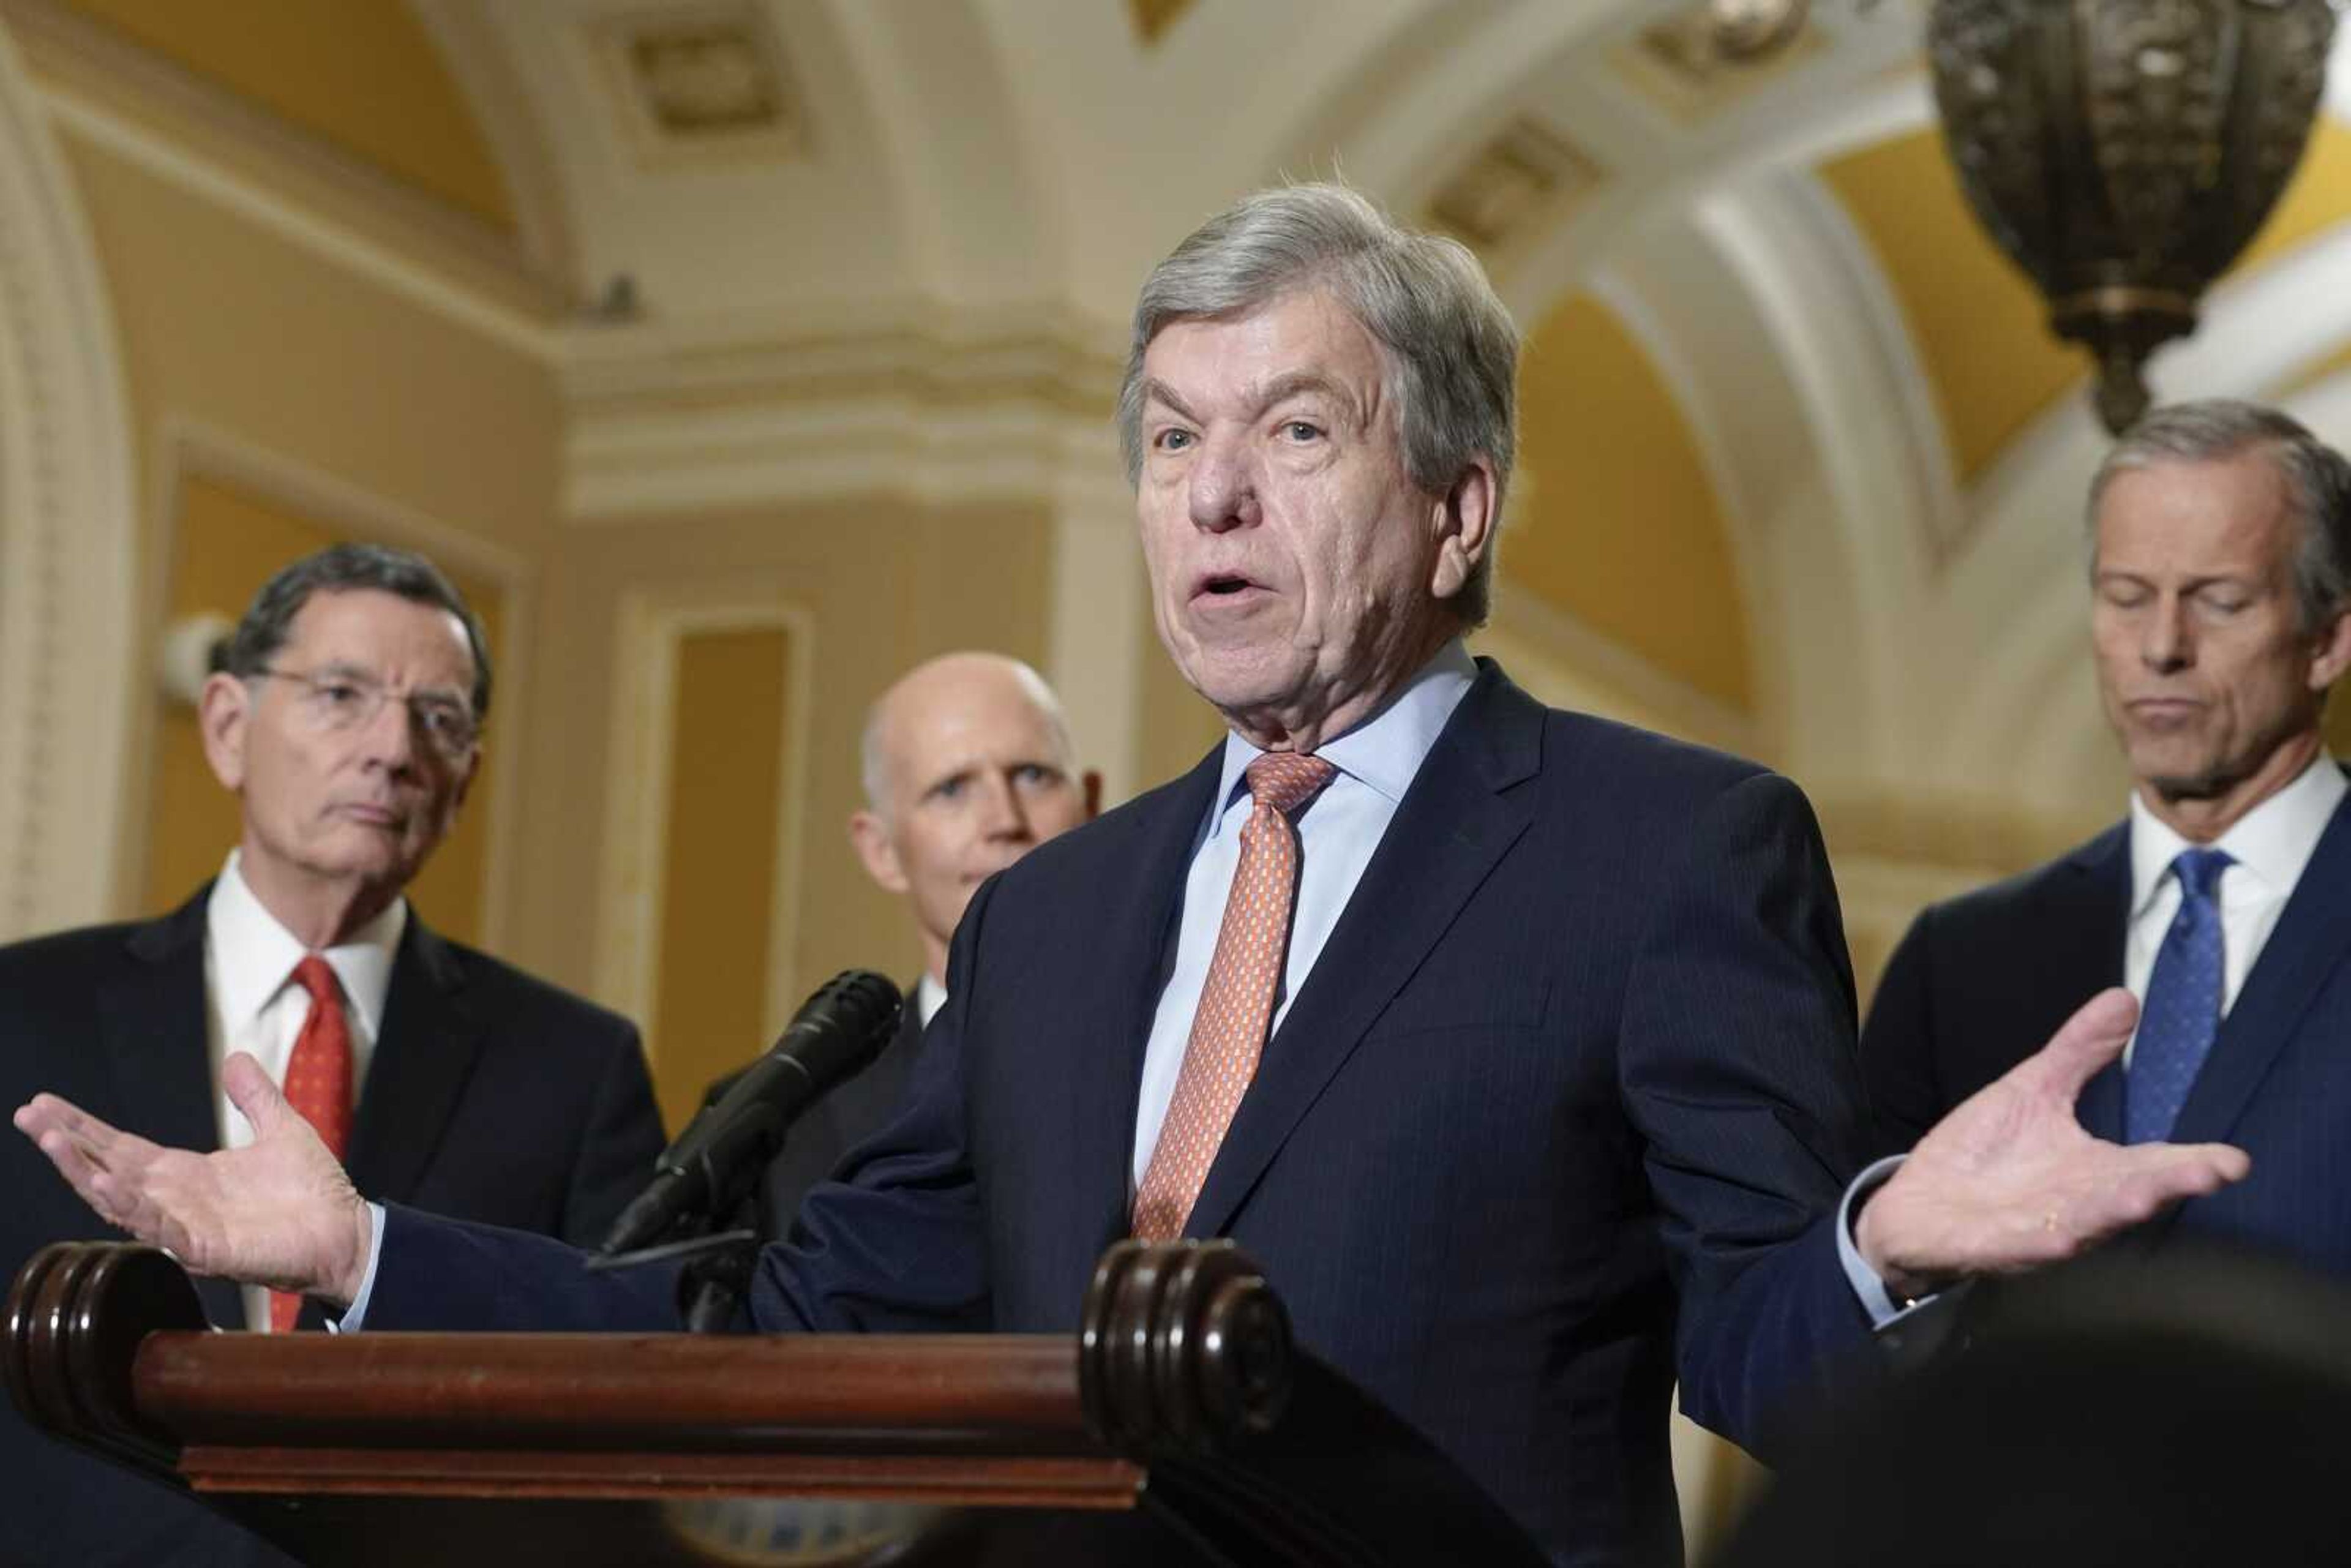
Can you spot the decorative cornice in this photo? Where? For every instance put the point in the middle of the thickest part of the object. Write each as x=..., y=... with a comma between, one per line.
x=909, y=402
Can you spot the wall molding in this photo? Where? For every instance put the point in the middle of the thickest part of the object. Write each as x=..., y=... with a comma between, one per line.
x=68, y=548
x=649, y=628
x=903, y=399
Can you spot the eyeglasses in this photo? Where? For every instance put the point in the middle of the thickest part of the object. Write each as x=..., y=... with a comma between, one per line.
x=338, y=703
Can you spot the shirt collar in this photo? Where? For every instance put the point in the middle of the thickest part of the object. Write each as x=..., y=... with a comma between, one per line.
x=929, y=997
x=2272, y=841
x=254, y=955
x=1384, y=752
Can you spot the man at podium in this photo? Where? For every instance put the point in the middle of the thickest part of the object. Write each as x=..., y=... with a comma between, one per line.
x=1517, y=1046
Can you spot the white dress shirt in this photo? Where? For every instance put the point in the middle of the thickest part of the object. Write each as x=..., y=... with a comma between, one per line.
x=2268, y=848
x=257, y=1006
x=1336, y=835
x=930, y=996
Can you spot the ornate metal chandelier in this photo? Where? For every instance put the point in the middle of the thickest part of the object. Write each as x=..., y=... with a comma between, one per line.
x=2123, y=152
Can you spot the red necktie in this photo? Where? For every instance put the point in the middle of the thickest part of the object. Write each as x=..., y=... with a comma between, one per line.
x=318, y=1086
x=1237, y=999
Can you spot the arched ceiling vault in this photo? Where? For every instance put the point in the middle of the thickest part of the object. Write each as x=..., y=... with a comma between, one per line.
x=1871, y=453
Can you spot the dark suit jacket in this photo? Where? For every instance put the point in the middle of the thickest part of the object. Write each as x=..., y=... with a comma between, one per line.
x=1982, y=981
x=490, y=1094
x=1558, y=1114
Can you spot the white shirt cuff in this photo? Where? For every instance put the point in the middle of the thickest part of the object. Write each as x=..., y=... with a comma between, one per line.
x=354, y=1320
x=1875, y=1298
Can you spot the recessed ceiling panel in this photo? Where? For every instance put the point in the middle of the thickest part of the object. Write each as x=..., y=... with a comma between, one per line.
x=1524, y=180
x=1685, y=65
x=701, y=83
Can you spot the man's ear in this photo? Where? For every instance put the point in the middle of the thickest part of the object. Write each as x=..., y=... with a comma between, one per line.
x=222, y=711
x=2333, y=655
x=1465, y=528
x=870, y=835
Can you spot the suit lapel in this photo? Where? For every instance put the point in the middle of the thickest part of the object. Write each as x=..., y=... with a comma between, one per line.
x=2082, y=935
x=1454, y=824
x=155, y=1029
x=430, y=1040
x=1114, y=1029
x=155, y=1034
x=2309, y=945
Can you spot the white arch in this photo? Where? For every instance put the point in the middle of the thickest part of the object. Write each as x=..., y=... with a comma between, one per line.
x=67, y=643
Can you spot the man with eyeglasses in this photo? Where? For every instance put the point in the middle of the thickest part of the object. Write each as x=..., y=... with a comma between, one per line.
x=347, y=720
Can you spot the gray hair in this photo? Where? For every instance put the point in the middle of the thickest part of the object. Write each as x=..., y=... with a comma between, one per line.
x=2317, y=482
x=874, y=762
x=349, y=569
x=1451, y=348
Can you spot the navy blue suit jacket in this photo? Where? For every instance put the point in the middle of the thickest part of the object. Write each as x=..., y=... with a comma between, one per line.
x=490, y=1095
x=1982, y=981
x=1557, y=1116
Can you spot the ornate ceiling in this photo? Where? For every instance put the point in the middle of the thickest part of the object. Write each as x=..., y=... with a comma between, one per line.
x=1802, y=469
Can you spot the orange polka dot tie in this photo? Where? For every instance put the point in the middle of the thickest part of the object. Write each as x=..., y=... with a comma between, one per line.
x=318, y=1086
x=1237, y=999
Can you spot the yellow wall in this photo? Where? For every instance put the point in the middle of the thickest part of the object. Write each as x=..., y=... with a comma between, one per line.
x=726, y=784
x=227, y=543
x=1618, y=524
x=1981, y=329
x=362, y=75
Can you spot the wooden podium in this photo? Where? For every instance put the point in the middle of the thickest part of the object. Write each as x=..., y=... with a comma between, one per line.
x=1181, y=1426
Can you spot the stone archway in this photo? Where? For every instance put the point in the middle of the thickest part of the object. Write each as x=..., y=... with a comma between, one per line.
x=68, y=634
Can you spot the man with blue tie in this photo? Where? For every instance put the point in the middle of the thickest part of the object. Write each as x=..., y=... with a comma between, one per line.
x=2221, y=613
x=1517, y=1046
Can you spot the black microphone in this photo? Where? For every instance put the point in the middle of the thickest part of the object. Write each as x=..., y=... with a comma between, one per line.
x=836, y=1035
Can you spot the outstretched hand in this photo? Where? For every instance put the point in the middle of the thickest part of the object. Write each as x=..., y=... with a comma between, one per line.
x=278, y=1212
x=2010, y=1181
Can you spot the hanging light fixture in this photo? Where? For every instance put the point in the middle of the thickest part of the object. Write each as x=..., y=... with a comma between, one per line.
x=2123, y=152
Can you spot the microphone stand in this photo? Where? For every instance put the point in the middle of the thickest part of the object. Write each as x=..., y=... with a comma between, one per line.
x=717, y=1271
x=715, y=1280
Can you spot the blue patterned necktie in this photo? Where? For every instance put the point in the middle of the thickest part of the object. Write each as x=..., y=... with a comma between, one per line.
x=2182, y=1012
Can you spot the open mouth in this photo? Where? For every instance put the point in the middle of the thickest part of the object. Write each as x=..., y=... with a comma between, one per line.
x=1223, y=585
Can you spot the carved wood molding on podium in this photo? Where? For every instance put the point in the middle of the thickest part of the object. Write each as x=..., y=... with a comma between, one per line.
x=1182, y=1404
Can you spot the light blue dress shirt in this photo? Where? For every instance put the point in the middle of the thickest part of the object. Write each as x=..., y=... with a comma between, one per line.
x=1337, y=833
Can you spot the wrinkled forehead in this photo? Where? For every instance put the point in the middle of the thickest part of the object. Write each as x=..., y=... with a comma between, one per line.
x=1305, y=337
x=369, y=632
x=2232, y=514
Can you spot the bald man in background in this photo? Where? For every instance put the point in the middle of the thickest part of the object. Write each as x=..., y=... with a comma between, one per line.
x=966, y=766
